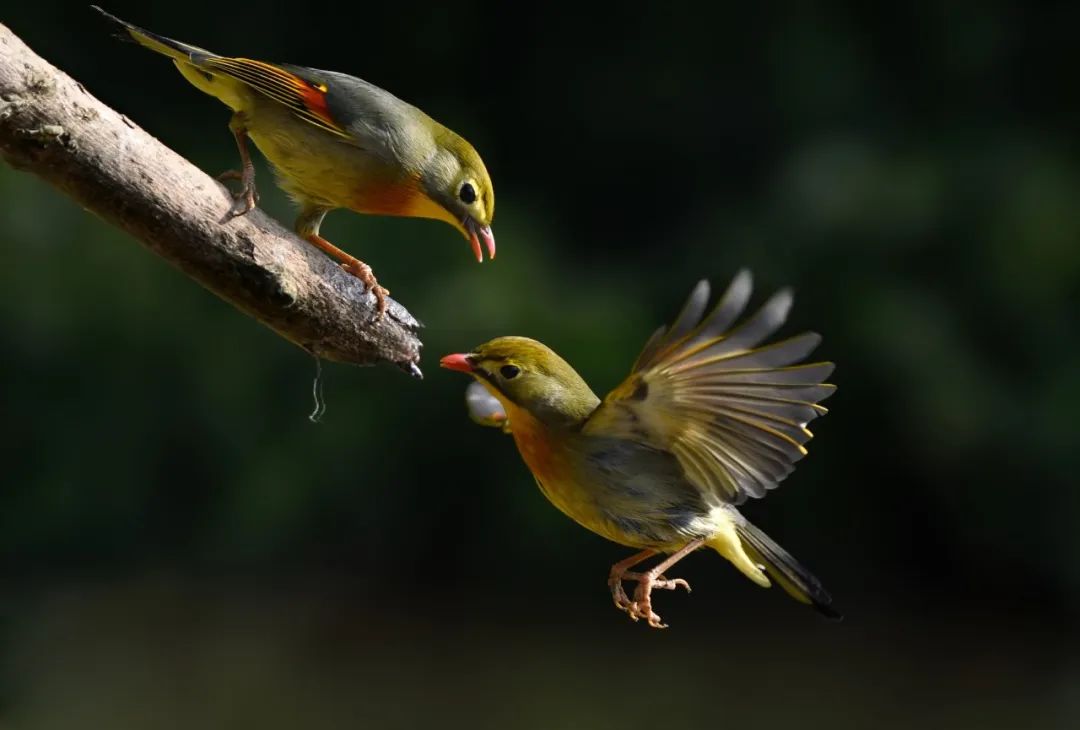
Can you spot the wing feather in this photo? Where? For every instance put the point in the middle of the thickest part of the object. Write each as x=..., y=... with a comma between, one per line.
x=304, y=98
x=734, y=412
x=684, y=323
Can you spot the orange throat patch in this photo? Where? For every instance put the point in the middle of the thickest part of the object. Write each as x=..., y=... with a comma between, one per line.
x=533, y=441
x=397, y=199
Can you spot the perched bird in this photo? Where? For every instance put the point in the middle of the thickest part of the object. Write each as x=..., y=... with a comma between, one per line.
x=707, y=417
x=336, y=141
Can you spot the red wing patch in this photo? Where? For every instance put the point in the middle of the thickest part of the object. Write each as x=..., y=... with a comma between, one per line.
x=307, y=100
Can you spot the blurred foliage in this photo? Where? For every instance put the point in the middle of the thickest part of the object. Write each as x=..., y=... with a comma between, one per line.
x=911, y=170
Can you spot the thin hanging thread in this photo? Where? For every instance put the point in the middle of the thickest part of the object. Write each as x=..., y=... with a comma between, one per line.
x=317, y=393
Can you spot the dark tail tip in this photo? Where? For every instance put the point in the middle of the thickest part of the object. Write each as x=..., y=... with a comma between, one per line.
x=826, y=610
x=119, y=27
x=787, y=571
x=108, y=16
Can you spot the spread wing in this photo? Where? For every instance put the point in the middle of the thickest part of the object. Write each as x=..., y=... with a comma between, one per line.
x=300, y=92
x=731, y=410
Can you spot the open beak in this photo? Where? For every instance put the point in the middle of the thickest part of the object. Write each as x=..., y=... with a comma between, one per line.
x=478, y=233
x=459, y=361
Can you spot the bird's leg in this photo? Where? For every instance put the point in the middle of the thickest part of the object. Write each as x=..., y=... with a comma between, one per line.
x=307, y=226
x=654, y=578
x=247, y=196
x=619, y=573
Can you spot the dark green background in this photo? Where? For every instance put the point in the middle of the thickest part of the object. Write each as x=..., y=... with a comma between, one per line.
x=181, y=547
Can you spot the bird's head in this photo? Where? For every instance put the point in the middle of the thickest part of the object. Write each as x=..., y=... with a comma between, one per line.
x=528, y=375
x=456, y=181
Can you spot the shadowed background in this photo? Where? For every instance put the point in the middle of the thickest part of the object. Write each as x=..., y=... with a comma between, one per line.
x=181, y=547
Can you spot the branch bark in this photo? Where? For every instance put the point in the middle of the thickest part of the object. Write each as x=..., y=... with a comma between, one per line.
x=51, y=126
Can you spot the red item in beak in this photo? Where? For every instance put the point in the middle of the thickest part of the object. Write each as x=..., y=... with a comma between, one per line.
x=458, y=361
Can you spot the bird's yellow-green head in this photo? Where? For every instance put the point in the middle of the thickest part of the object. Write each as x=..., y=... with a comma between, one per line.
x=526, y=374
x=456, y=181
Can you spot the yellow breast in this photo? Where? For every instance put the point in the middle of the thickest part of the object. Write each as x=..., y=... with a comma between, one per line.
x=319, y=168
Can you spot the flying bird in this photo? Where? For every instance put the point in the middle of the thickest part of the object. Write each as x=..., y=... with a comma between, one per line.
x=708, y=417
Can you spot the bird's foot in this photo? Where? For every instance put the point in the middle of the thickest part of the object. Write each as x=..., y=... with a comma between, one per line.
x=364, y=273
x=641, y=606
x=246, y=197
x=349, y=263
x=618, y=594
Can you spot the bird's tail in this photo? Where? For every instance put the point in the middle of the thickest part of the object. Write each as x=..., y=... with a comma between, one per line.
x=799, y=582
x=167, y=46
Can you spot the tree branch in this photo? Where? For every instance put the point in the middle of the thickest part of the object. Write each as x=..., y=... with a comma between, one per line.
x=51, y=126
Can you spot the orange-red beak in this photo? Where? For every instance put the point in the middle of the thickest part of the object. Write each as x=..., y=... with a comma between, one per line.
x=458, y=361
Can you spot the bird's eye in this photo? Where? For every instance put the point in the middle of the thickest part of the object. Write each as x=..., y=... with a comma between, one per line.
x=467, y=193
x=509, y=372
